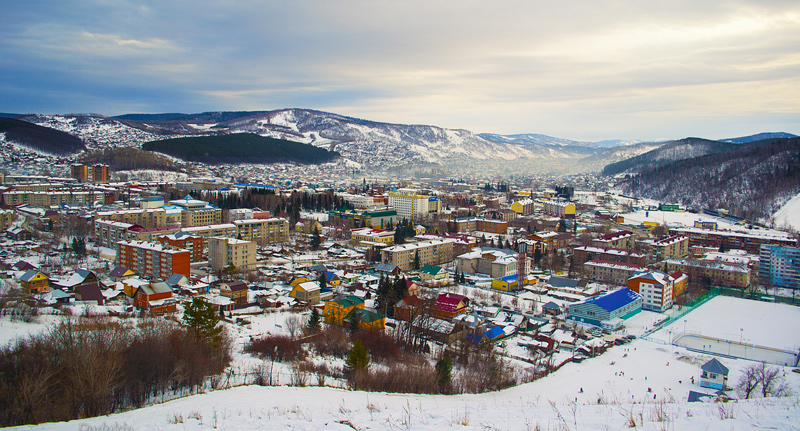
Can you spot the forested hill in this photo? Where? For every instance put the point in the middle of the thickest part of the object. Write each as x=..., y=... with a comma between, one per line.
x=40, y=138
x=752, y=181
x=669, y=152
x=240, y=148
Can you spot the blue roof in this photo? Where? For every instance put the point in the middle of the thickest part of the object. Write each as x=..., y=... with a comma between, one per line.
x=615, y=300
x=433, y=199
x=510, y=278
x=263, y=186
x=495, y=332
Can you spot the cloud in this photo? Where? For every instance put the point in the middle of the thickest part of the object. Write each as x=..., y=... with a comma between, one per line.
x=581, y=70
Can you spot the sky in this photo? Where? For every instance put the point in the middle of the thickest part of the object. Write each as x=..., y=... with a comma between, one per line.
x=583, y=70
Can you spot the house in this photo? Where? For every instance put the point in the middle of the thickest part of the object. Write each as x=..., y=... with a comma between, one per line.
x=713, y=375
x=236, y=291
x=493, y=333
x=551, y=308
x=607, y=311
x=34, y=282
x=367, y=320
x=120, y=273
x=155, y=298
x=308, y=292
x=439, y=330
x=332, y=279
x=297, y=280
x=387, y=269
x=407, y=307
x=337, y=309
x=89, y=292
x=18, y=234
x=22, y=266
x=412, y=288
x=449, y=305
x=432, y=273
x=176, y=281
x=80, y=277
x=508, y=283
x=130, y=285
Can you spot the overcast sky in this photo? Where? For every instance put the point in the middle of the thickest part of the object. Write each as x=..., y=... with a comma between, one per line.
x=584, y=70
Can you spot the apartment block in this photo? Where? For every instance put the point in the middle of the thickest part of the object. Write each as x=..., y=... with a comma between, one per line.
x=623, y=239
x=669, y=247
x=192, y=243
x=432, y=252
x=711, y=272
x=223, y=252
x=269, y=230
x=780, y=266
x=152, y=260
x=616, y=273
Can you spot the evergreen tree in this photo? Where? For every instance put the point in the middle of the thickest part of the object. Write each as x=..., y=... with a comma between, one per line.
x=357, y=357
x=416, y=260
x=444, y=371
x=315, y=239
x=537, y=256
x=323, y=281
x=463, y=278
x=200, y=318
x=355, y=321
x=314, y=321
x=562, y=225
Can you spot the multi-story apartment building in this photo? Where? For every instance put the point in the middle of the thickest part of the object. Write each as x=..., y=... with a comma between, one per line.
x=108, y=232
x=72, y=196
x=559, y=209
x=780, y=266
x=494, y=262
x=523, y=207
x=413, y=206
x=192, y=243
x=655, y=288
x=214, y=230
x=195, y=212
x=369, y=236
x=432, y=252
x=710, y=271
x=223, y=252
x=269, y=230
x=622, y=239
x=144, y=217
x=86, y=173
x=6, y=217
x=586, y=253
x=616, y=273
x=152, y=260
x=473, y=224
x=749, y=241
x=669, y=247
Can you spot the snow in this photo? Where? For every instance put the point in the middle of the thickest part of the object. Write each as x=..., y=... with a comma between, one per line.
x=789, y=214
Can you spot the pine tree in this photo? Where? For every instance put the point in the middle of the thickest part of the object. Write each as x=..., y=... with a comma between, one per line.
x=355, y=321
x=315, y=239
x=323, y=281
x=314, y=321
x=357, y=357
x=444, y=371
x=200, y=318
x=416, y=260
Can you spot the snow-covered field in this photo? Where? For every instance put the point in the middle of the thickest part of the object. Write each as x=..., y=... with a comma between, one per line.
x=687, y=219
x=789, y=214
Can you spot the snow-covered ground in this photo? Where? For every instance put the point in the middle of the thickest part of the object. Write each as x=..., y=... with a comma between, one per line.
x=687, y=219
x=789, y=214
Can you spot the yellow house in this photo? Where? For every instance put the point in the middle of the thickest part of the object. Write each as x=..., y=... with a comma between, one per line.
x=34, y=282
x=507, y=283
x=367, y=320
x=297, y=280
x=332, y=279
x=307, y=292
x=336, y=310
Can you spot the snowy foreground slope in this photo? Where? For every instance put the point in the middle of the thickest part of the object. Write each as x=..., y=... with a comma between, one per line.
x=609, y=401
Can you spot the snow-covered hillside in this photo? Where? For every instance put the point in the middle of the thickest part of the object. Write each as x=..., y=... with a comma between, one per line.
x=97, y=132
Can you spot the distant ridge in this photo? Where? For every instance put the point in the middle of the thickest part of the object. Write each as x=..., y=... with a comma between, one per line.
x=40, y=138
x=759, y=137
x=240, y=148
x=669, y=152
x=8, y=115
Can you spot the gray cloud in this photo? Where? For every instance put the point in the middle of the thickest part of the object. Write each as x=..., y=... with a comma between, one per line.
x=581, y=70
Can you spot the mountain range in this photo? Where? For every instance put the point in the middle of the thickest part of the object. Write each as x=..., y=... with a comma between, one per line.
x=389, y=147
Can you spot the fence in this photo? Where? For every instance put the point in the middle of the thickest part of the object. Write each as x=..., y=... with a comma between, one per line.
x=686, y=309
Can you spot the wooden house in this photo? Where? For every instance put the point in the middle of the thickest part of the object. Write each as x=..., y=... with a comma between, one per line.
x=155, y=298
x=337, y=309
x=308, y=292
x=449, y=305
x=236, y=291
x=34, y=282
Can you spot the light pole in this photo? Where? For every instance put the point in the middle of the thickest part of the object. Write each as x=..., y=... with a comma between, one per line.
x=741, y=335
x=684, y=326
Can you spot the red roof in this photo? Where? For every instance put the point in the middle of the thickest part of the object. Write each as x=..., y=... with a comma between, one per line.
x=449, y=302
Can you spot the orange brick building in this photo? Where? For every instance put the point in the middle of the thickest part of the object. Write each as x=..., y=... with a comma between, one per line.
x=186, y=241
x=153, y=260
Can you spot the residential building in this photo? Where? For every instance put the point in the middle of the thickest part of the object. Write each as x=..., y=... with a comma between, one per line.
x=378, y=218
x=34, y=282
x=523, y=207
x=607, y=311
x=412, y=206
x=711, y=272
x=477, y=224
x=370, y=237
x=680, y=283
x=227, y=230
x=153, y=260
x=270, y=230
x=494, y=262
x=780, y=266
x=749, y=241
x=622, y=239
x=656, y=289
x=432, y=252
x=18, y=234
x=669, y=247
x=155, y=298
x=586, y=253
x=71, y=196
x=449, y=305
x=93, y=174
x=236, y=291
x=223, y=252
x=145, y=217
x=367, y=320
x=185, y=241
x=433, y=273
x=195, y=212
x=6, y=217
x=337, y=309
x=559, y=209
x=616, y=273
x=307, y=292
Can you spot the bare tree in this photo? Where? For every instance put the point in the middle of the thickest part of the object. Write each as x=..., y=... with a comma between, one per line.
x=764, y=379
x=294, y=324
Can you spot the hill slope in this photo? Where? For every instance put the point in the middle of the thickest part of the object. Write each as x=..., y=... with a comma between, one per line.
x=239, y=148
x=40, y=138
x=667, y=153
x=752, y=181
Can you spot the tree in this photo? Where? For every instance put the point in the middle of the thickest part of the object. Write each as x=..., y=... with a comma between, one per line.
x=200, y=318
x=355, y=321
x=763, y=379
x=323, y=281
x=416, y=260
x=314, y=321
x=315, y=239
x=357, y=357
x=444, y=371
x=562, y=225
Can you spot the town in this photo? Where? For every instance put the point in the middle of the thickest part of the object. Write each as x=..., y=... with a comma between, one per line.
x=447, y=278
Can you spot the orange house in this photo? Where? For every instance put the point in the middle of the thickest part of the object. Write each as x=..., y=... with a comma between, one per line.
x=155, y=298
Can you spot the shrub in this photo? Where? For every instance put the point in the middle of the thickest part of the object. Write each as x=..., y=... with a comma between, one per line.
x=277, y=348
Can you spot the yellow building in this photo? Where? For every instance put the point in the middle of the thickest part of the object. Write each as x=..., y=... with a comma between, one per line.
x=337, y=309
x=269, y=230
x=432, y=252
x=223, y=252
x=370, y=236
x=34, y=282
x=307, y=291
x=559, y=209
